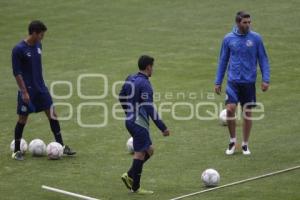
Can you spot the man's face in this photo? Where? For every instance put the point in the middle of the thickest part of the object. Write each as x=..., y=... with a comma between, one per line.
x=244, y=25
x=38, y=36
x=149, y=70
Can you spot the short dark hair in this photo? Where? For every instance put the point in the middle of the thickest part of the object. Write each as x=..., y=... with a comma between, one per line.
x=240, y=15
x=144, y=61
x=37, y=27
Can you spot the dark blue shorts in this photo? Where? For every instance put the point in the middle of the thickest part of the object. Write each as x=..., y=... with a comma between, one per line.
x=38, y=102
x=243, y=93
x=140, y=135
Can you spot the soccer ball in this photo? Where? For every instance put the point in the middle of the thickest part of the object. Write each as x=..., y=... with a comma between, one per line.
x=54, y=151
x=210, y=178
x=23, y=146
x=37, y=147
x=129, y=145
x=223, y=117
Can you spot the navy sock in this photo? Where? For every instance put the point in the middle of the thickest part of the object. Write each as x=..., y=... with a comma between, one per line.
x=130, y=171
x=18, y=135
x=137, y=168
x=55, y=128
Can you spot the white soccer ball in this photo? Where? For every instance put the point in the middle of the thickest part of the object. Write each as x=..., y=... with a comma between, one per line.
x=37, y=147
x=54, y=151
x=23, y=146
x=223, y=117
x=210, y=178
x=129, y=145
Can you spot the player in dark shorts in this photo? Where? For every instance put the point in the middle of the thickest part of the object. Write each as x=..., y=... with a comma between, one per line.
x=33, y=95
x=136, y=98
x=241, y=50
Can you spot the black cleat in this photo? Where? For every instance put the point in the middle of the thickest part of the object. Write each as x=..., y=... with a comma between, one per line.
x=231, y=149
x=68, y=151
x=17, y=156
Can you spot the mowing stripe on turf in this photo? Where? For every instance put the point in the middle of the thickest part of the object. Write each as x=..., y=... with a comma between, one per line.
x=68, y=193
x=238, y=182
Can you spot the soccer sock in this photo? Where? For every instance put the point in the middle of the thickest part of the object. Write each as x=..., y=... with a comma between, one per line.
x=232, y=140
x=137, y=168
x=130, y=171
x=55, y=128
x=244, y=143
x=18, y=135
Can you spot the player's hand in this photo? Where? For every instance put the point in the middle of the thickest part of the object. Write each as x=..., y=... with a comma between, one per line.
x=25, y=97
x=166, y=132
x=218, y=89
x=264, y=86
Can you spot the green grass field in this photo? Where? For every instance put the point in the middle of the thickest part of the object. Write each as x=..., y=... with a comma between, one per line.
x=107, y=37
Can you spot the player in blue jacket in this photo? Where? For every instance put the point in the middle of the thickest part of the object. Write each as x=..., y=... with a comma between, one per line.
x=33, y=95
x=136, y=98
x=241, y=50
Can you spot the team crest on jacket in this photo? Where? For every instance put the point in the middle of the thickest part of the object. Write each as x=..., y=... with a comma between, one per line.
x=39, y=51
x=249, y=43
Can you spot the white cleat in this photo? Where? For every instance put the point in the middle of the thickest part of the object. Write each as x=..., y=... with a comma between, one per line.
x=246, y=150
x=231, y=149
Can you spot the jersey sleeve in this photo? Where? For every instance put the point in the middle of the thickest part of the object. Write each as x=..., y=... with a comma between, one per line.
x=16, y=61
x=263, y=61
x=223, y=62
x=147, y=100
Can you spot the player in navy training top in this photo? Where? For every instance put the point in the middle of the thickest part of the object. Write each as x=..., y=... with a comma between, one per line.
x=136, y=98
x=33, y=95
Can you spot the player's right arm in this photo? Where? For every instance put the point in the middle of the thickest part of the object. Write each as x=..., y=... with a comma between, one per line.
x=17, y=71
x=222, y=66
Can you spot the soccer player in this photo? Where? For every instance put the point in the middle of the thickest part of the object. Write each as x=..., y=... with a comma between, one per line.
x=33, y=95
x=241, y=50
x=136, y=98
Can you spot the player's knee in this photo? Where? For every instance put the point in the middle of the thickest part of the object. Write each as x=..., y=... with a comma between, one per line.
x=150, y=152
x=231, y=110
x=51, y=114
x=247, y=114
x=139, y=155
x=22, y=119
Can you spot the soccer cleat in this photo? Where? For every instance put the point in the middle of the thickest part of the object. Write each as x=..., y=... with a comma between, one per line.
x=127, y=181
x=17, y=156
x=246, y=150
x=231, y=148
x=142, y=191
x=68, y=151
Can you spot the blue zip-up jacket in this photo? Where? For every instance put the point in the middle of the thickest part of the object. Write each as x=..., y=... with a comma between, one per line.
x=240, y=53
x=136, y=98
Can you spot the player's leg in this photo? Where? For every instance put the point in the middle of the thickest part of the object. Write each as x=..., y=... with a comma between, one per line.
x=55, y=128
x=54, y=125
x=231, y=105
x=231, y=123
x=23, y=110
x=248, y=101
x=142, y=145
x=17, y=155
x=247, y=125
x=148, y=153
x=43, y=102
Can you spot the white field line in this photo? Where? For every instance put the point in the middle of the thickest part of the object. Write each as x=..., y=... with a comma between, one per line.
x=238, y=182
x=68, y=193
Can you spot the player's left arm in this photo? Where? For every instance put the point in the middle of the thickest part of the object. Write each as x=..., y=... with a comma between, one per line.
x=147, y=97
x=264, y=65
